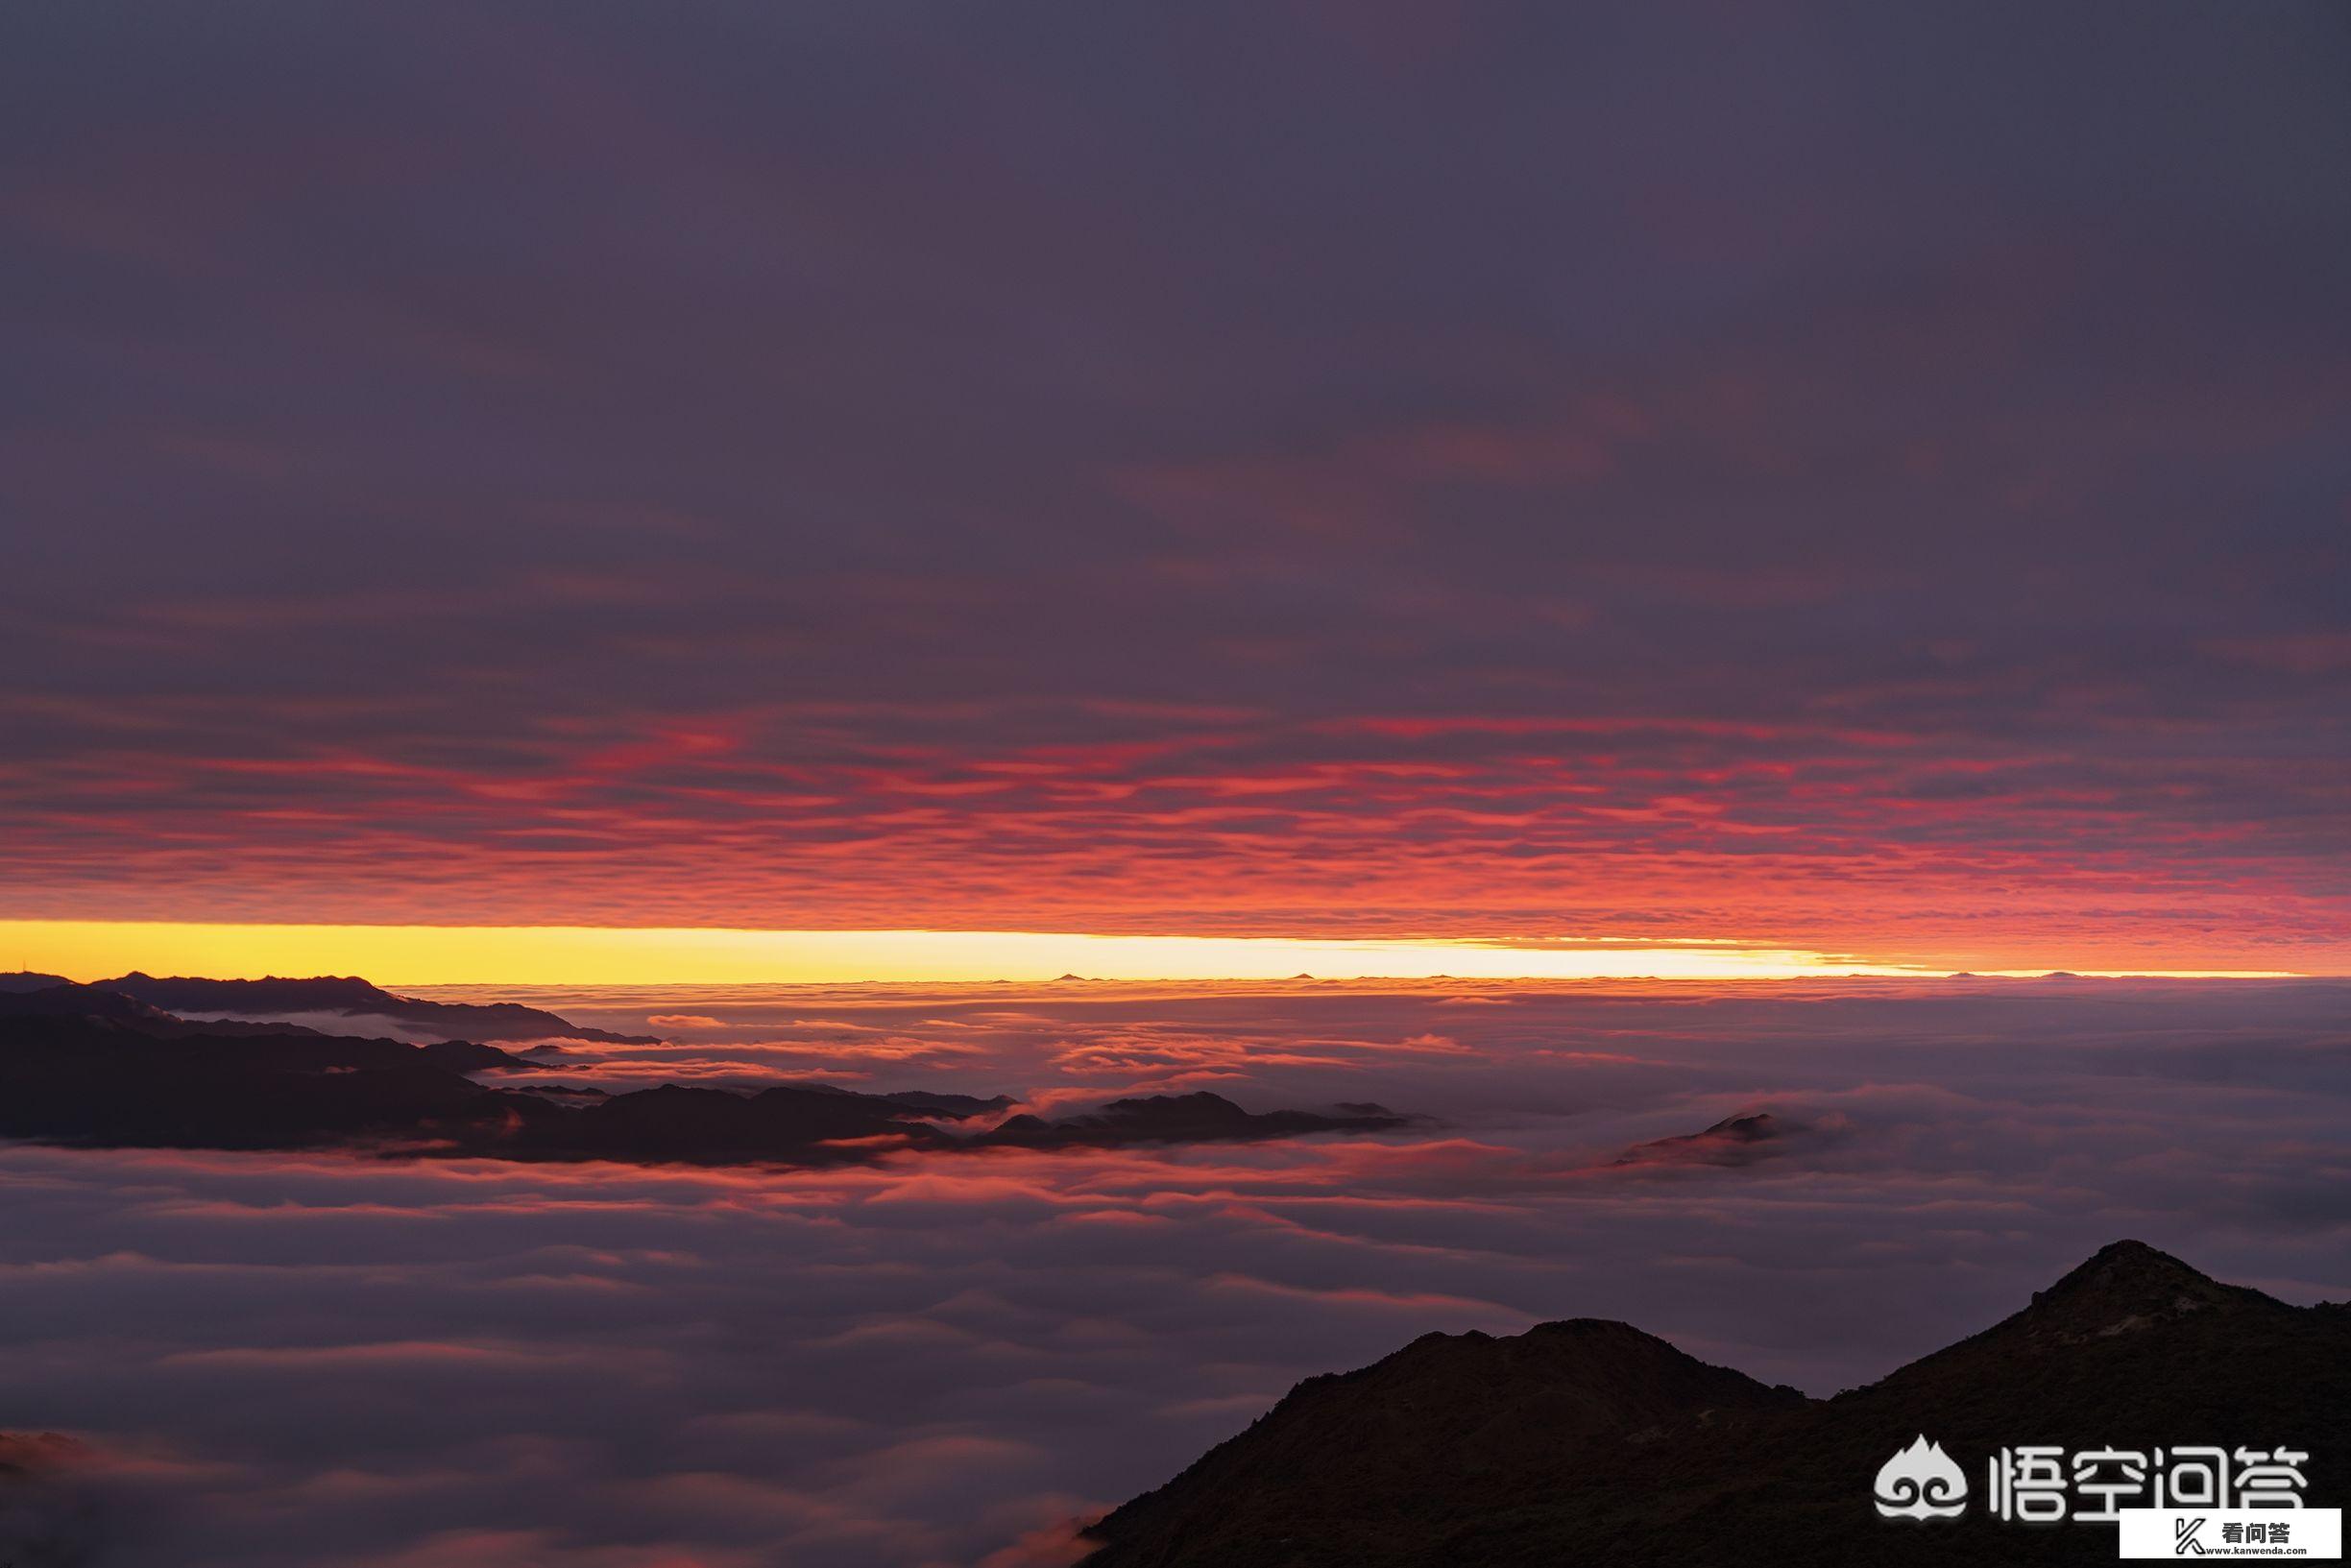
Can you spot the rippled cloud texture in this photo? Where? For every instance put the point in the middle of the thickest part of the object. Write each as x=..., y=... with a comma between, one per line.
x=1822, y=476
x=288, y=1362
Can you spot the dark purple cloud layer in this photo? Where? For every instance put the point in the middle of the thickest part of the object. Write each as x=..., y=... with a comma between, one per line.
x=1204, y=468
x=277, y=1360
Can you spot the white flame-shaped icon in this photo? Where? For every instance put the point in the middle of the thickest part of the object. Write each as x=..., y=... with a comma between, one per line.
x=1921, y=1483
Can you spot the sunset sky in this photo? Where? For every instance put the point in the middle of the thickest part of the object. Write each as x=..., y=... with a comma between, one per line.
x=1557, y=481
x=1047, y=715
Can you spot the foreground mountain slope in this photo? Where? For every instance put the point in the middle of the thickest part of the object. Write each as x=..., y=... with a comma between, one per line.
x=1579, y=1443
x=1416, y=1447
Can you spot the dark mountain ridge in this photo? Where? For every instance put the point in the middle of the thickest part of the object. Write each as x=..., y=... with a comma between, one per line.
x=1200, y=1116
x=351, y=997
x=1586, y=1442
x=67, y=999
x=98, y=1003
x=29, y=980
x=91, y=1065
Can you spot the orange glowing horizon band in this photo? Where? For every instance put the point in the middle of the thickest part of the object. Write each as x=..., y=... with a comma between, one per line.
x=653, y=956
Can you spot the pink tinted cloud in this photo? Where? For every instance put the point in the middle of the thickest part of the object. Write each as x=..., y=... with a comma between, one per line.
x=1664, y=826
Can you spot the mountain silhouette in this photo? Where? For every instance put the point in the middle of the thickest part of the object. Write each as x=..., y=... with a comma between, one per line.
x=1736, y=1139
x=29, y=979
x=1592, y=1442
x=114, y=1082
x=1195, y=1117
x=66, y=999
x=102, y=1003
x=92, y=1066
x=356, y=998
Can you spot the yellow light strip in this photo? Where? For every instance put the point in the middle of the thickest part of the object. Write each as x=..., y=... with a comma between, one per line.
x=583, y=956
x=591, y=956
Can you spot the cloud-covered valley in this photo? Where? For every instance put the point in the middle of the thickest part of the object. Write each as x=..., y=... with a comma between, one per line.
x=270, y=1360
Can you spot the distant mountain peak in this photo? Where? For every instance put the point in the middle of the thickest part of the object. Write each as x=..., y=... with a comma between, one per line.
x=1735, y=1140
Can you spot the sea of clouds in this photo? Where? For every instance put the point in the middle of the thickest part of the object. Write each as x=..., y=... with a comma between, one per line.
x=269, y=1360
